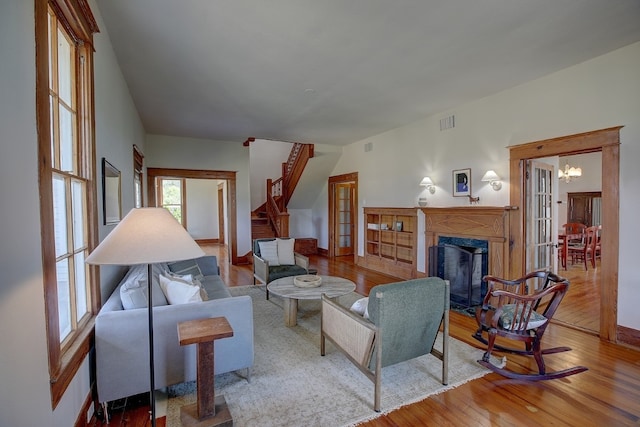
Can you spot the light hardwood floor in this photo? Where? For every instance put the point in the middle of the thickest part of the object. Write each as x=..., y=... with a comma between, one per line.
x=605, y=395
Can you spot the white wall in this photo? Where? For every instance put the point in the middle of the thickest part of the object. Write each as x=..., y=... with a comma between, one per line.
x=202, y=208
x=189, y=153
x=265, y=160
x=118, y=128
x=596, y=94
x=300, y=223
x=25, y=397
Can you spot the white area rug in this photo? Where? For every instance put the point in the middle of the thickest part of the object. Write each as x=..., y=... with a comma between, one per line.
x=292, y=385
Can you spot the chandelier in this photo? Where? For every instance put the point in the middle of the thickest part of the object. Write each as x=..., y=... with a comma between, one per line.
x=569, y=173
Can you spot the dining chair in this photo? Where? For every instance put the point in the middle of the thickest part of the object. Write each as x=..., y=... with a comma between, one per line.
x=586, y=251
x=570, y=228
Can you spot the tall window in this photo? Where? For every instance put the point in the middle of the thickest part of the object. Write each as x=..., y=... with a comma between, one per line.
x=67, y=184
x=172, y=195
x=138, y=160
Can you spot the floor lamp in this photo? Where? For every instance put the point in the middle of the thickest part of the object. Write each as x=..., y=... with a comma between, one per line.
x=146, y=236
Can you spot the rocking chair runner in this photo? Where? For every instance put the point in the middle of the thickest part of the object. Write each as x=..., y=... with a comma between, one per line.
x=509, y=311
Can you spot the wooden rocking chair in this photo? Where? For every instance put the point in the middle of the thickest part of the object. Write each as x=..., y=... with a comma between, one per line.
x=509, y=311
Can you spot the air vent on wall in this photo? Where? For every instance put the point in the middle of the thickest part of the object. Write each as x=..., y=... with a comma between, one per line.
x=368, y=147
x=448, y=123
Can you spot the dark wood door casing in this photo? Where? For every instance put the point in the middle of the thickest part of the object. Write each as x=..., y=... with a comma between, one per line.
x=333, y=181
x=608, y=142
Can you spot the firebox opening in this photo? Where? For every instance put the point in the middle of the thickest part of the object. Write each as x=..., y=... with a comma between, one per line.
x=464, y=262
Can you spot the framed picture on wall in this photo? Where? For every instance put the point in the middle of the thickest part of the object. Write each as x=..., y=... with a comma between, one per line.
x=462, y=182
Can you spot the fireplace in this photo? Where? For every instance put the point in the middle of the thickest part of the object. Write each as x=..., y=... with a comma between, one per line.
x=481, y=231
x=463, y=262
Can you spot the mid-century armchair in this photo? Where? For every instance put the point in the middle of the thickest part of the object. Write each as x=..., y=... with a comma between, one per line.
x=284, y=262
x=512, y=312
x=404, y=319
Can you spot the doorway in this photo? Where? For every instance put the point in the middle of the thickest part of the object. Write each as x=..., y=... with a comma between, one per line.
x=230, y=200
x=343, y=208
x=608, y=142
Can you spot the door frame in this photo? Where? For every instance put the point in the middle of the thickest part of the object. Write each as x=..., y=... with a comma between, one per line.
x=221, y=217
x=338, y=179
x=230, y=177
x=608, y=142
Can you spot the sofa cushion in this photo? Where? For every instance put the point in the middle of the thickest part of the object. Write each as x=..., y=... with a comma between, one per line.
x=361, y=307
x=192, y=281
x=188, y=266
x=508, y=315
x=133, y=291
x=179, y=291
x=269, y=252
x=133, y=294
x=215, y=287
x=281, y=271
x=285, y=251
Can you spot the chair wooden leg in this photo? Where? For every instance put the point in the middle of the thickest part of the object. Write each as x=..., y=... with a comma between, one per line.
x=537, y=355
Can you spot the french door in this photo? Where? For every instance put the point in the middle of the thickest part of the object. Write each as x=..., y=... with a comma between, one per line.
x=344, y=218
x=540, y=228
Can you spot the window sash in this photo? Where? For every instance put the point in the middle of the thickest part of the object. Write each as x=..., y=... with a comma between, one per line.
x=172, y=197
x=64, y=107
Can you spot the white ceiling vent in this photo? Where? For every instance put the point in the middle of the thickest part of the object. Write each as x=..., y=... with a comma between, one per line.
x=368, y=147
x=448, y=123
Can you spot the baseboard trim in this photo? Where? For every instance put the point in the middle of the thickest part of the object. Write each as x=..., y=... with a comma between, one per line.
x=207, y=241
x=244, y=259
x=323, y=252
x=628, y=336
x=81, y=420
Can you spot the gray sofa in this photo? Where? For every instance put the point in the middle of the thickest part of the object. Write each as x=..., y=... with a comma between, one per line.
x=122, y=356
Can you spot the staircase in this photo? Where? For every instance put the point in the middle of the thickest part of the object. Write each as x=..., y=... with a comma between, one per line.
x=260, y=227
x=271, y=219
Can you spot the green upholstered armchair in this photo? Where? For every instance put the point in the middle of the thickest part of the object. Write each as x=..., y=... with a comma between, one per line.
x=264, y=270
x=404, y=319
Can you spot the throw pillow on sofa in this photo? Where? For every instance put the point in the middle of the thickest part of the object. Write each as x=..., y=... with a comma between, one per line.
x=192, y=281
x=188, y=266
x=361, y=307
x=179, y=291
x=134, y=294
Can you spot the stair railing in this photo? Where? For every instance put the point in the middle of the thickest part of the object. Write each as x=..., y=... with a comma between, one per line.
x=276, y=212
x=279, y=191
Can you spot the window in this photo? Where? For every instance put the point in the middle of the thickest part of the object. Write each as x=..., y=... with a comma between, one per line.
x=172, y=196
x=138, y=159
x=67, y=181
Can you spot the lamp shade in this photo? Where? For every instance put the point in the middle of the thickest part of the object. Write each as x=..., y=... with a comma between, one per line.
x=426, y=181
x=146, y=236
x=491, y=175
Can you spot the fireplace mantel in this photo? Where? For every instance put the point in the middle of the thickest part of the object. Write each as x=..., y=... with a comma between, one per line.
x=489, y=223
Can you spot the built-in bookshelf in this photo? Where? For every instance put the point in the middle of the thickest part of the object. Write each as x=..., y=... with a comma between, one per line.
x=391, y=241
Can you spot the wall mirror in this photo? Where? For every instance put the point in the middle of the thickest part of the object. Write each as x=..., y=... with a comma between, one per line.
x=111, y=193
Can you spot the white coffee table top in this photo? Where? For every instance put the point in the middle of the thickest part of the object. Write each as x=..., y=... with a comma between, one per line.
x=332, y=286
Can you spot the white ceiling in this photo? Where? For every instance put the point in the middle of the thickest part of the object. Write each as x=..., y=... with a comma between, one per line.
x=338, y=71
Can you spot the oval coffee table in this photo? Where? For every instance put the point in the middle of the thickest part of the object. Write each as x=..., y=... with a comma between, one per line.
x=290, y=293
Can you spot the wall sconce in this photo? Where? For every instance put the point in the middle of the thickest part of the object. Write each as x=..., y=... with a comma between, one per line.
x=426, y=182
x=493, y=179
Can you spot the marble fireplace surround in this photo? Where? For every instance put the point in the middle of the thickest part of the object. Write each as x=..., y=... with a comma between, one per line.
x=490, y=223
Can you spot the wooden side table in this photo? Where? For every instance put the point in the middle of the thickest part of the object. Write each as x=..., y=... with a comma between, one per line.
x=209, y=410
